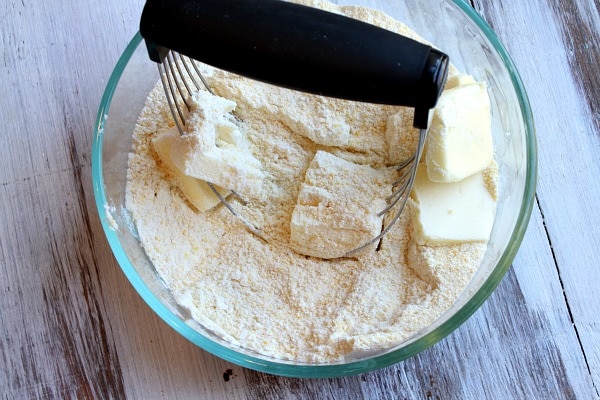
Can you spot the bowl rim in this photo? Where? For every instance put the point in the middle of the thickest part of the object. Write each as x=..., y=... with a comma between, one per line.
x=325, y=370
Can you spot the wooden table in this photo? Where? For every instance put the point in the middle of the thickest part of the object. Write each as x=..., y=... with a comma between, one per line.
x=71, y=326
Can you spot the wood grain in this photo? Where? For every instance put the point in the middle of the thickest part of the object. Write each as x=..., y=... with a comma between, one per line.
x=71, y=326
x=561, y=40
x=55, y=339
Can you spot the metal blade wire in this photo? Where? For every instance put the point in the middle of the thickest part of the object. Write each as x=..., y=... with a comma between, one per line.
x=176, y=75
x=400, y=197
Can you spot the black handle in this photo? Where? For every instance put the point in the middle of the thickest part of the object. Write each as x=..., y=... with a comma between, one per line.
x=301, y=48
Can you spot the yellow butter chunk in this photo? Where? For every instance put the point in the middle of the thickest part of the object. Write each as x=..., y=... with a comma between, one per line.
x=459, y=143
x=196, y=191
x=215, y=150
x=459, y=80
x=449, y=213
x=337, y=208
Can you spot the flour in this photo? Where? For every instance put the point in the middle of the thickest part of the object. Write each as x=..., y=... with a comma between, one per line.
x=260, y=294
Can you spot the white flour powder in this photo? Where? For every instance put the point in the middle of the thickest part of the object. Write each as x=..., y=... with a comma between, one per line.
x=260, y=294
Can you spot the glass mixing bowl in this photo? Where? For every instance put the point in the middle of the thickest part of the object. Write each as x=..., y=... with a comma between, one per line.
x=454, y=27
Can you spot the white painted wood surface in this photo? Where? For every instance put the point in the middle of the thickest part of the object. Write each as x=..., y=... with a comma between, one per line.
x=71, y=326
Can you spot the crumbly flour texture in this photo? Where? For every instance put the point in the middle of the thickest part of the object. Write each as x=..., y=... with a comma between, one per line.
x=258, y=293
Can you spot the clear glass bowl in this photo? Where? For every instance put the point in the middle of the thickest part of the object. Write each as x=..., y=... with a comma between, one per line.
x=473, y=48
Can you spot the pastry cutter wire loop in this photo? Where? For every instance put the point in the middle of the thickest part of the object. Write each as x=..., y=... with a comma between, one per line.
x=300, y=48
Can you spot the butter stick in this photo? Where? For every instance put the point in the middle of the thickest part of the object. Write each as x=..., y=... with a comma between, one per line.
x=459, y=142
x=450, y=213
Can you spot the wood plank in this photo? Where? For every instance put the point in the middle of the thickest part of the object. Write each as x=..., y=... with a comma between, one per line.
x=555, y=46
x=55, y=338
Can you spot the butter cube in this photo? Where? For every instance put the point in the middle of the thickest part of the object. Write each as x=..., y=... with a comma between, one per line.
x=459, y=142
x=450, y=213
x=215, y=150
x=336, y=210
x=197, y=192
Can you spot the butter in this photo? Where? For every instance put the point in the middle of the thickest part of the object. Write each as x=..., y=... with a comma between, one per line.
x=449, y=213
x=459, y=142
x=337, y=208
x=458, y=80
x=215, y=150
x=196, y=191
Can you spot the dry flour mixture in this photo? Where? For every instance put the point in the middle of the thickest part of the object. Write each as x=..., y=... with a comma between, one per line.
x=259, y=293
